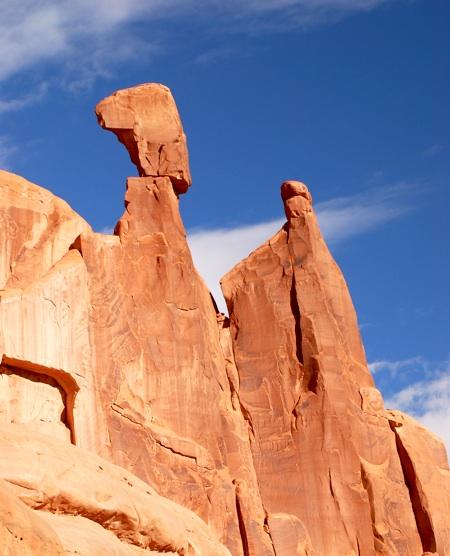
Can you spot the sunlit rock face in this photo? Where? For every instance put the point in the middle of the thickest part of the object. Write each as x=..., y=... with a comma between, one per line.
x=322, y=443
x=136, y=419
x=146, y=120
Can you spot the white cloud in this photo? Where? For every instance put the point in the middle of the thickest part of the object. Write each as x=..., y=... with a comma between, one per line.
x=344, y=217
x=256, y=16
x=428, y=401
x=67, y=31
x=11, y=104
x=216, y=251
x=91, y=35
x=392, y=367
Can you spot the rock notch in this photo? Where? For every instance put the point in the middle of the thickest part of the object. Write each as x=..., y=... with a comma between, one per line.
x=146, y=120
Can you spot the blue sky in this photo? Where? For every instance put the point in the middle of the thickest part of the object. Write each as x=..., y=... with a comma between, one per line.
x=349, y=96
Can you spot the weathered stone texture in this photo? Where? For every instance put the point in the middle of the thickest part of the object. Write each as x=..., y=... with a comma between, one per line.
x=136, y=420
x=146, y=120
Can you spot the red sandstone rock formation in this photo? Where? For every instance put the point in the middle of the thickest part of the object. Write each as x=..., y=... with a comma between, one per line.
x=134, y=419
x=323, y=446
x=145, y=119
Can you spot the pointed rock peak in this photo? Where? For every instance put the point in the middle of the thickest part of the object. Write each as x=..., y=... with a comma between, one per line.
x=146, y=120
x=296, y=198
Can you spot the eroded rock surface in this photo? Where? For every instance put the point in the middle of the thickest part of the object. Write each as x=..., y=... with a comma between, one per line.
x=146, y=120
x=67, y=487
x=136, y=420
x=323, y=447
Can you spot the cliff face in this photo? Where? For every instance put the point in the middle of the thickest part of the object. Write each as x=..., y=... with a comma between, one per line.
x=135, y=419
x=325, y=451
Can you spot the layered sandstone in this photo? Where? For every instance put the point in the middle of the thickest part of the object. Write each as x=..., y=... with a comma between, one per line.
x=135, y=419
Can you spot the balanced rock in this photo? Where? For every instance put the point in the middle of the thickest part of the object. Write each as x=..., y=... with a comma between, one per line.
x=146, y=120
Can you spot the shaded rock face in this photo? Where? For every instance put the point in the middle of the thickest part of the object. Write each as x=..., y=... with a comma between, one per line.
x=135, y=419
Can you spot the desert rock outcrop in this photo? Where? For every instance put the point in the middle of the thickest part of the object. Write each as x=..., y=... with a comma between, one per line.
x=136, y=420
x=146, y=120
x=322, y=442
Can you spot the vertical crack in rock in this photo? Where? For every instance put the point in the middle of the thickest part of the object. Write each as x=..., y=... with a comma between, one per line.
x=242, y=529
x=423, y=520
x=310, y=368
x=330, y=484
x=213, y=301
x=297, y=317
x=267, y=530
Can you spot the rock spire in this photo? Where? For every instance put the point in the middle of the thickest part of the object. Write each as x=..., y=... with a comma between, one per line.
x=136, y=420
x=146, y=120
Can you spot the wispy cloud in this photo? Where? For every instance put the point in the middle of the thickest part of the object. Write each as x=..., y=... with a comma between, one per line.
x=217, y=251
x=258, y=16
x=93, y=37
x=7, y=150
x=344, y=217
x=429, y=401
x=392, y=367
x=340, y=219
x=432, y=150
x=11, y=104
x=64, y=31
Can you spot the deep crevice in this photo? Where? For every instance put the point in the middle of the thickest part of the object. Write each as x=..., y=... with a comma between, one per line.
x=421, y=515
x=213, y=301
x=296, y=314
x=241, y=524
x=312, y=373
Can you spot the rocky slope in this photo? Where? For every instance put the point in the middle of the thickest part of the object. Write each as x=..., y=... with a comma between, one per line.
x=136, y=419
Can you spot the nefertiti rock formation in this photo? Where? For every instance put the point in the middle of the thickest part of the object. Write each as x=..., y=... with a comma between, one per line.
x=137, y=420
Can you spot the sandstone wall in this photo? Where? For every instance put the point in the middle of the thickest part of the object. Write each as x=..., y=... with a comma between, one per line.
x=136, y=419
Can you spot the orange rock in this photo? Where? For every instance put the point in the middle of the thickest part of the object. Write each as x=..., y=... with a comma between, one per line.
x=119, y=510
x=37, y=230
x=425, y=468
x=323, y=449
x=136, y=419
x=159, y=363
x=22, y=531
x=146, y=120
x=100, y=334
